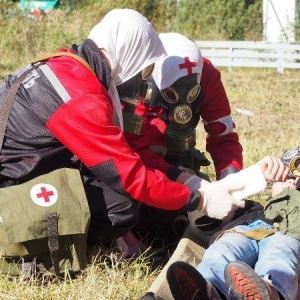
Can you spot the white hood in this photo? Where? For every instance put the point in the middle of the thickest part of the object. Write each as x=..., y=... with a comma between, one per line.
x=132, y=45
x=183, y=57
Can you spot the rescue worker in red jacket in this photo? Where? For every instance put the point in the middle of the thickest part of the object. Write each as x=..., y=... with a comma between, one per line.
x=187, y=88
x=68, y=114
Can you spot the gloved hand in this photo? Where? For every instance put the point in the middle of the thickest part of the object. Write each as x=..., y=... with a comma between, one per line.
x=218, y=202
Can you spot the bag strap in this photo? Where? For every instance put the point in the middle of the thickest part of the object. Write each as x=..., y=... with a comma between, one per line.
x=53, y=240
x=8, y=101
x=75, y=56
x=257, y=234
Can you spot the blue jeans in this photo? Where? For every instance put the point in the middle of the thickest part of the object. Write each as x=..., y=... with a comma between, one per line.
x=277, y=255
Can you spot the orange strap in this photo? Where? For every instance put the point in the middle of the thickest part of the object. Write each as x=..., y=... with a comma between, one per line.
x=56, y=54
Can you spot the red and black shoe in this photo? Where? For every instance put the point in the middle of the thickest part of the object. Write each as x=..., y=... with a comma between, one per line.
x=244, y=283
x=186, y=283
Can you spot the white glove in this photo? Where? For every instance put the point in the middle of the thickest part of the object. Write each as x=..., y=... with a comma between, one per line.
x=218, y=202
x=252, y=178
x=250, y=182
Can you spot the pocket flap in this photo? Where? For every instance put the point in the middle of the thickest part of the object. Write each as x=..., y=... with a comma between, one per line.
x=24, y=207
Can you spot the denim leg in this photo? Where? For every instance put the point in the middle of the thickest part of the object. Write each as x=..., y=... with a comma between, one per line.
x=230, y=247
x=279, y=256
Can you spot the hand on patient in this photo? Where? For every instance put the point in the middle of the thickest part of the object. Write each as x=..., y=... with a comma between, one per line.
x=273, y=168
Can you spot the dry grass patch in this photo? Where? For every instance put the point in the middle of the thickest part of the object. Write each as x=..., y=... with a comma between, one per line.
x=105, y=278
x=273, y=98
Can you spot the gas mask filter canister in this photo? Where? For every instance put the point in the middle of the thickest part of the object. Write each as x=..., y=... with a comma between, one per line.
x=131, y=93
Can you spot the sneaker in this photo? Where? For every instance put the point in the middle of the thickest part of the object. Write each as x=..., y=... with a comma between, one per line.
x=244, y=283
x=186, y=283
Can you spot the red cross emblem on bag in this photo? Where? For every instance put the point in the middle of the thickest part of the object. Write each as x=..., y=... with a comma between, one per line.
x=43, y=194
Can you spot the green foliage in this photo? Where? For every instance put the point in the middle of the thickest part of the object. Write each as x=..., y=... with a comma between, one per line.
x=220, y=19
x=23, y=38
x=297, y=23
x=273, y=97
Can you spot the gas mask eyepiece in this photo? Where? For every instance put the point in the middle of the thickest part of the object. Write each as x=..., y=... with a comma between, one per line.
x=136, y=88
x=291, y=159
x=193, y=93
x=146, y=72
x=172, y=95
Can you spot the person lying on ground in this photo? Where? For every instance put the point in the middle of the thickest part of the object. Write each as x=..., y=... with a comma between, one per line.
x=248, y=259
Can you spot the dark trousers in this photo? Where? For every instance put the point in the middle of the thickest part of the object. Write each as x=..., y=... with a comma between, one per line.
x=112, y=214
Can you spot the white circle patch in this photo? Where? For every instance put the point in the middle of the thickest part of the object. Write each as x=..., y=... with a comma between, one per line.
x=44, y=194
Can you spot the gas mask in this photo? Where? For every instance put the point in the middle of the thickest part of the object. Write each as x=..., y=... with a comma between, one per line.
x=291, y=159
x=131, y=93
x=179, y=97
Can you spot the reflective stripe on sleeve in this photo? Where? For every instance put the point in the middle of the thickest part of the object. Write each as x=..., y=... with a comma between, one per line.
x=62, y=92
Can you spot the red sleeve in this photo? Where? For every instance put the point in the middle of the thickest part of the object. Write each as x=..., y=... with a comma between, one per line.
x=225, y=150
x=84, y=125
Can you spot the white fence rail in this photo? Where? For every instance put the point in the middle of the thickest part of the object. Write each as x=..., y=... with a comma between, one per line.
x=251, y=54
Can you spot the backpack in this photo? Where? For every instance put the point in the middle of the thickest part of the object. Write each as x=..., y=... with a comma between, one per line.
x=44, y=224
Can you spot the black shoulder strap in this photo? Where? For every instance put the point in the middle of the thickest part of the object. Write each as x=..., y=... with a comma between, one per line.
x=8, y=101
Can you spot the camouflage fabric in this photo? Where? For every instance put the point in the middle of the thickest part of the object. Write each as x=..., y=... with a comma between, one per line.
x=284, y=209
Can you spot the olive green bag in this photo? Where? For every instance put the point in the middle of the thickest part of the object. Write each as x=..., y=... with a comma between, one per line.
x=43, y=225
x=43, y=222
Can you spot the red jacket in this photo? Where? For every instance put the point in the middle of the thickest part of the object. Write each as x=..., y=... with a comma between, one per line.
x=44, y=131
x=225, y=149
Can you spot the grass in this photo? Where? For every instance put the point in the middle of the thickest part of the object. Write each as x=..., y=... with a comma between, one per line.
x=105, y=278
x=273, y=98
